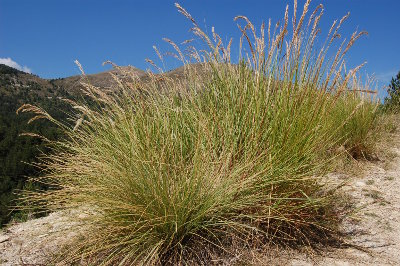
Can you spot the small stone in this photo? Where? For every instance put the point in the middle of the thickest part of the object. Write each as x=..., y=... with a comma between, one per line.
x=4, y=238
x=359, y=183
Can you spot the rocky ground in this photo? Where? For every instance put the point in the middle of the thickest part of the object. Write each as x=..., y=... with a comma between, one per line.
x=35, y=241
x=373, y=229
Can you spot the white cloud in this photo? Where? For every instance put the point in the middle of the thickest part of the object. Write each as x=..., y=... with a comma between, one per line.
x=11, y=63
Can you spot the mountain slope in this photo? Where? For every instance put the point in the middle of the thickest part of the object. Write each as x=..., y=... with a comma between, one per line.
x=17, y=153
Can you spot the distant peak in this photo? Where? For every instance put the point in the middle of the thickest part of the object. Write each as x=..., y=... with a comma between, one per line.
x=128, y=68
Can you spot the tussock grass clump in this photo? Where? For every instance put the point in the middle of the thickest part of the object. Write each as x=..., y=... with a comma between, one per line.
x=164, y=166
x=358, y=119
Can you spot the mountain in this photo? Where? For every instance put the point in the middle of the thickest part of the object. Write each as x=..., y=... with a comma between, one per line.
x=103, y=79
x=17, y=153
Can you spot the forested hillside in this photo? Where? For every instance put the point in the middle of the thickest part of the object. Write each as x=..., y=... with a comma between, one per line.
x=18, y=152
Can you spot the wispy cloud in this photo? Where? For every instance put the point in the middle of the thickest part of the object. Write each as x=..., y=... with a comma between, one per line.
x=386, y=76
x=11, y=63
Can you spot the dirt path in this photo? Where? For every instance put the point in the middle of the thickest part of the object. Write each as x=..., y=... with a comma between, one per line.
x=374, y=227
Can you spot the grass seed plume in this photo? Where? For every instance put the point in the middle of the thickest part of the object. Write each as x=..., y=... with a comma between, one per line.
x=230, y=152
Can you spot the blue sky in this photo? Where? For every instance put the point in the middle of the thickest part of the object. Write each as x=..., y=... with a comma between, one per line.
x=46, y=36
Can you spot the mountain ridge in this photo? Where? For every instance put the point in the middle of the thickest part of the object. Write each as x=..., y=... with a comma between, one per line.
x=18, y=154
